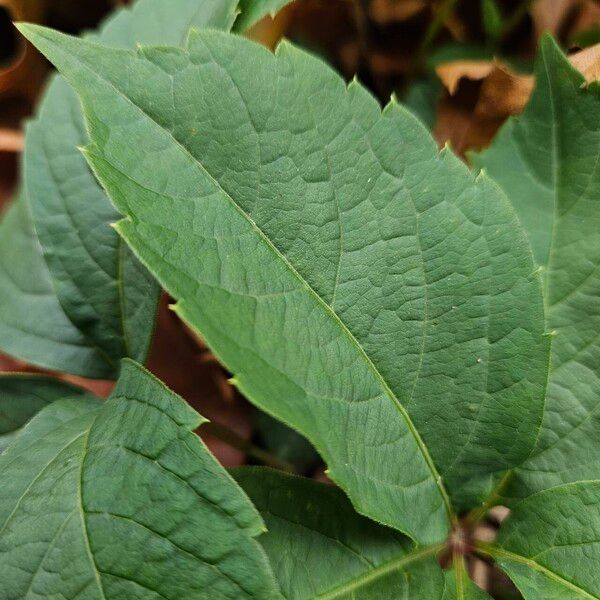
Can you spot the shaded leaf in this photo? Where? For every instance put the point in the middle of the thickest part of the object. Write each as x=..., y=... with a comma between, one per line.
x=547, y=162
x=252, y=11
x=361, y=286
x=33, y=324
x=22, y=396
x=101, y=287
x=122, y=500
x=549, y=545
x=285, y=443
x=320, y=547
x=422, y=97
x=384, y=11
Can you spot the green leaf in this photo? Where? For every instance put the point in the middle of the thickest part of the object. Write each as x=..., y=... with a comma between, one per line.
x=549, y=546
x=101, y=287
x=252, y=11
x=547, y=162
x=22, y=396
x=167, y=23
x=361, y=287
x=285, y=443
x=320, y=547
x=460, y=587
x=492, y=19
x=422, y=96
x=122, y=500
x=33, y=324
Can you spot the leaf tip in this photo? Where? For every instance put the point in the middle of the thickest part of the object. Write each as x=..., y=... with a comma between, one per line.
x=25, y=29
x=446, y=148
x=284, y=46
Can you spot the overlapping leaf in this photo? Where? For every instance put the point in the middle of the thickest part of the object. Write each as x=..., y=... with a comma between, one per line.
x=361, y=286
x=320, y=547
x=33, y=324
x=22, y=396
x=122, y=500
x=100, y=287
x=547, y=161
x=550, y=545
x=252, y=11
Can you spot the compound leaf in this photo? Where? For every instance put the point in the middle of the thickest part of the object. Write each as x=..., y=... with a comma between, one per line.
x=320, y=547
x=362, y=287
x=547, y=162
x=123, y=500
x=550, y=544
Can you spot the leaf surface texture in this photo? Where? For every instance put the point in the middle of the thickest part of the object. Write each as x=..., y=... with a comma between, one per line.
x=547, y=162
x=361, y=286
x=123, y=500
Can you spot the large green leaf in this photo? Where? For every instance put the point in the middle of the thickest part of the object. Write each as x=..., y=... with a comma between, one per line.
x=33, y=324
x=362, y=287
x=547, y=162
x=320, y=547
x=122, y=500
x=102, y=289
x=22, y=396
x=550, y=545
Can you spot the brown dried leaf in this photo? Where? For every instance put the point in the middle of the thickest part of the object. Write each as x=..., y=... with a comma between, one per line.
x=588, y=62
x=481, y=95
x=458, y=125
x=549, y=15
x=503, y=92
x=385, y=11
x=564, y=18
x=451, y=73
x=11, y=140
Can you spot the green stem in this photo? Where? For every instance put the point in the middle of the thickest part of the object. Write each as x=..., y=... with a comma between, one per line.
x=458, y=562
x=492, y=500
x=236, y=441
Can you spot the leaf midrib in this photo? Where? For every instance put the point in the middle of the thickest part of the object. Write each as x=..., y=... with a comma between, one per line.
x=387, y=390
x=499, y=553
x=384, y=569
